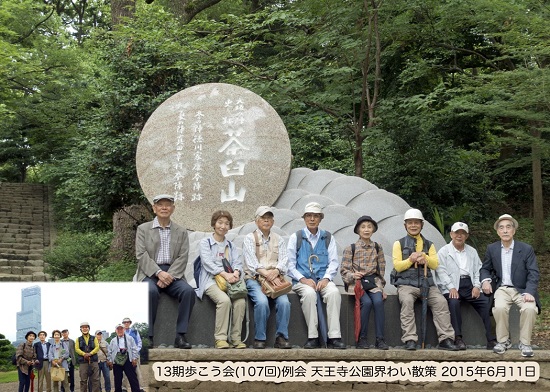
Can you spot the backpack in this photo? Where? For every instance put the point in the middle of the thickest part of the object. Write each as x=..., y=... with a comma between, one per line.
x=14, y=359
x=300, y=239
x=197, y=265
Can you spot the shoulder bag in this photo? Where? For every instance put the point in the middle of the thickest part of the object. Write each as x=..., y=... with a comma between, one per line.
x=234, y=290
x=121, y=358
x=276, y=287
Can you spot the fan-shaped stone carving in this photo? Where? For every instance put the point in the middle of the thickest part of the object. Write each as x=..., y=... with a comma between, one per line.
x=344, y=199
x=316, y=181
x=296, y=176
x=345, y=188
x=290, y=197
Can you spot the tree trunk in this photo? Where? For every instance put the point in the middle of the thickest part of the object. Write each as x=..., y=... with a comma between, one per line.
x=370, y=82
x=538, y=208
x=125, y=223
x=358, y=155
x=186, y=10
x=121, y=9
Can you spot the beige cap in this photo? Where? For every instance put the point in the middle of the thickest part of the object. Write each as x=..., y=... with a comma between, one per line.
x=262, y=210
x=504, y=217
x=313, y=208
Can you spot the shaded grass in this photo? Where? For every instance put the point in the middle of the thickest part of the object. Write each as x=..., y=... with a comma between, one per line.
x=10, y=376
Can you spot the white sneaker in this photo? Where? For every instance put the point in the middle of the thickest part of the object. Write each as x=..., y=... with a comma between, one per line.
x=501, y=348
x=526, y=350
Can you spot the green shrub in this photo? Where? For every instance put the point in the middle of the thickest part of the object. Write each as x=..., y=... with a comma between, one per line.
x=78, y=256
x=118, y=271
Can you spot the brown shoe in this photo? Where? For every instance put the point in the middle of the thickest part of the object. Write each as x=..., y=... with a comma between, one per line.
x=281, y=342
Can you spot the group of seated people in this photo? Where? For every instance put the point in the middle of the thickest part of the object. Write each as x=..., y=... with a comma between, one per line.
x=509, y=274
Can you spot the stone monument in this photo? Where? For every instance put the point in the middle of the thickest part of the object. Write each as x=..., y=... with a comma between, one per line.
x=219, y=146
x=214, y=146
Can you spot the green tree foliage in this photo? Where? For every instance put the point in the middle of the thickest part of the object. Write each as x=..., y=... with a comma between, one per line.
x=82, y=17
x=444, y=103
x=40, y=89
x=6, y=352
x=489, y=85
x=142, y=328
x=78, y=256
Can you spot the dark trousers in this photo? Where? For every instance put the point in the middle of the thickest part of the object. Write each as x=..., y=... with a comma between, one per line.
x=71, y=379
x=130, y=372
x=480, y=304
x=24, y=380
x=179, y=289
x=368, y=301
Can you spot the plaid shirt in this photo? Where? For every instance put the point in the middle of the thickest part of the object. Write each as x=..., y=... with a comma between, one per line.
x=163, y=256
x=364, y=261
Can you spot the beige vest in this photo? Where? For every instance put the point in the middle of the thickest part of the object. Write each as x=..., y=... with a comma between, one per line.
x=267, y=256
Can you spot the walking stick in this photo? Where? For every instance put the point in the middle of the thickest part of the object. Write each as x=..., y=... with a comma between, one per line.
x=425, y=291
x=321, y=319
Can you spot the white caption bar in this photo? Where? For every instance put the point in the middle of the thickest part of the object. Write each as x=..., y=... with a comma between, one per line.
x=360, y=371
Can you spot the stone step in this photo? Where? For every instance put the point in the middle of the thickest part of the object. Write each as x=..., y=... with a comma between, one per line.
x=15, y=278
x=24, y=231
x=21, y=255
x=28, y=242
x=23, y=234
x=15, y=245
x=21, y=227
x=28, y=270
x=21, y=263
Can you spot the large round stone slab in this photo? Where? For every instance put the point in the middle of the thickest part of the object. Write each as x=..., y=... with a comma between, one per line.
x=214, y=146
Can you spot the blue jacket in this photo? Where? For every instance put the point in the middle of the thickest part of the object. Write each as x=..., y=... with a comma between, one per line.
x=40, y=353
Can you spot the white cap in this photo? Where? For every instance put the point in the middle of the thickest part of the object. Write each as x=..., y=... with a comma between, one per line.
x=119, y=326
x=460, y=226
x=413, y=213
x=262, y=210
x=313, y=208
x=504, y=217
